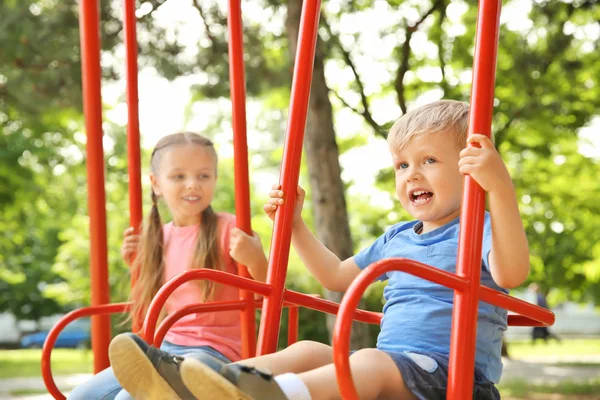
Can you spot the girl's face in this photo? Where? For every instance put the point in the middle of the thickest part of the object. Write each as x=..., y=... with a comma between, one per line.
x=186, y=177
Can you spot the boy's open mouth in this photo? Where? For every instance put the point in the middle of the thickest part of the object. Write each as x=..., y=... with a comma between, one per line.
x=420, y=196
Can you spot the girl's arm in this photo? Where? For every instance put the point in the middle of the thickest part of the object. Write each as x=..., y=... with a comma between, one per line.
x=247, y=250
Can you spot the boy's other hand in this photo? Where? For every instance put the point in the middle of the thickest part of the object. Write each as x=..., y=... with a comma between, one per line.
x=245, y=249
x=483, y=163
x=129, y=247
x=276, y=199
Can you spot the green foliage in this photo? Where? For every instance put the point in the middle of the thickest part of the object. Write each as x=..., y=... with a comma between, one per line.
x=546, y=90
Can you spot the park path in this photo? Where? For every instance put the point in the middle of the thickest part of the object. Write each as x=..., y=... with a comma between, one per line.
x=541, y=370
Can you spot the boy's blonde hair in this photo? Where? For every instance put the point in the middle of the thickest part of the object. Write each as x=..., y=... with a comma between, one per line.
x=442, y=115
x=149, y=264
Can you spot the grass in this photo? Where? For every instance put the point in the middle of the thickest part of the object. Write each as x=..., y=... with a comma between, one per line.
x=568, y=347
x=520, y=389
x=26, y=363
x=27, y=392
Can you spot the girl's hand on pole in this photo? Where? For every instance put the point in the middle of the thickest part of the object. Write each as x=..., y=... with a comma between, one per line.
x=248, y=250
x=130, y=244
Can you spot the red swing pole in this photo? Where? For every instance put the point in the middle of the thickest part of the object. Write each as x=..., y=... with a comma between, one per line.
x=290, y=172
x=237, y=88
x=133, y=131
x=92, y=108
x=464, y=315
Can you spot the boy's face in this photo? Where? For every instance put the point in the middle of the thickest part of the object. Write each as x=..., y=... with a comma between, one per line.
x=428, y=182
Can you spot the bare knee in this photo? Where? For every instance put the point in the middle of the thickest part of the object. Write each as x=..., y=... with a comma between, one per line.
x=370, y=355
x=306, y=355
x=309, y=347
x=387, y=372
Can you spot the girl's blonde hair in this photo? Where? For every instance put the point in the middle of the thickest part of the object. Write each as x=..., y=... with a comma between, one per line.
x=442, y=115
x=149, y=264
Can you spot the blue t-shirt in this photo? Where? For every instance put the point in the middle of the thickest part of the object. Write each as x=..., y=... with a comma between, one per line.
x=417, y=315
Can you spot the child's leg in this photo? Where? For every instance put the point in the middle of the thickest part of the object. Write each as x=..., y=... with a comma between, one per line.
x=299, y=357
x=104, y=385
x=144, y=371
x=375, y=376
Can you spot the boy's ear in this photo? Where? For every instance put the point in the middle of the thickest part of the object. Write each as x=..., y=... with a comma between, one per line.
x=155, y=186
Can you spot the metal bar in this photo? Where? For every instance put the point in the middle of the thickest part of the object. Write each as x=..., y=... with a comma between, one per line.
x=290, y=171
x=168, y=322
x=92, y=107
x=341, y=338
x=528, y=314
x=237, y=89
x=464, y=317
x=343, y=326
x=133, y=131
x=149, y=329
x=520, y=320
x=57, y=329
x=329, y=307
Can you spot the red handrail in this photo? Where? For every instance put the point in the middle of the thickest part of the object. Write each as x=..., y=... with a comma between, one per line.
x=237, y=88
x=461, y=366
x=92, y=107
x=290, y=171
x=292, y=301
x=291, y=298
x=149, y=329
x=133, y=129
x=55, y=331
x=343, y=326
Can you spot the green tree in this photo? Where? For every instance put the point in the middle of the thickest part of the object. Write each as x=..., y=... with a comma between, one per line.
x=546, y=91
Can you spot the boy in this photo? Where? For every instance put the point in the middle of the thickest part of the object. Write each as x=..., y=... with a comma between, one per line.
x=429, y=157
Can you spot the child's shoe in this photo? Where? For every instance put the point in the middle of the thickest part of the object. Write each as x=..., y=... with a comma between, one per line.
x=146, y=372
x=209, y=378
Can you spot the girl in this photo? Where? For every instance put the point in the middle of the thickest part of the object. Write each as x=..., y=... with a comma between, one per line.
x=184, y=174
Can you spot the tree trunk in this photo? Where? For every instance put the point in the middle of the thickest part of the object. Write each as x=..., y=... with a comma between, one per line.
x=329, y=204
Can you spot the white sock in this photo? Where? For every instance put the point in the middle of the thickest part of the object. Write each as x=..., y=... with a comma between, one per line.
x=293, y=387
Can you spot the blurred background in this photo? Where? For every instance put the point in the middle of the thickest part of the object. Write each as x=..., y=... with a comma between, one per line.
x=375, y=60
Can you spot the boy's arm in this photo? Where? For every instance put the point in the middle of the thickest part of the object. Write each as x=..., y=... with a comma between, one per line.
x=509, y=256
x=324, y=265
x=329, y=270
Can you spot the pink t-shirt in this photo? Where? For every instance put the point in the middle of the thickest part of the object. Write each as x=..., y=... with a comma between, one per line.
x=219, y=330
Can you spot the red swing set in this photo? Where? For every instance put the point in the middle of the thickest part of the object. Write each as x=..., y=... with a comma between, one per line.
x=465, y=283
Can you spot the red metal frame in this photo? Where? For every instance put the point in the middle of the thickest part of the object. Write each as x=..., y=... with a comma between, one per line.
x=60, y=325
x=237, y=88
x=464, y=316
x=149, y=329
x=465, y=283
x=290, y=171
x=343, y=326
x=92, y=107
x=133, y=129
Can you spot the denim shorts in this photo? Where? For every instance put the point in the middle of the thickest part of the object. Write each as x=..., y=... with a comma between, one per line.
x=190, y=351
x=426, y=376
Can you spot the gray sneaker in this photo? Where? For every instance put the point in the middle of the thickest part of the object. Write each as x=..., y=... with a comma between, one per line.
x=146, y=372
x=209, y=378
